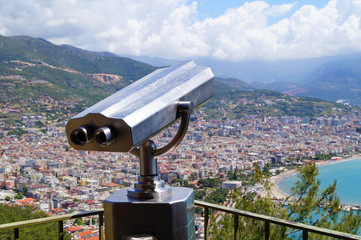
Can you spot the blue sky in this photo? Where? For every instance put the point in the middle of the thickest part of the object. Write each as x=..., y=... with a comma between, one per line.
x=215, y=8
x=183, y=29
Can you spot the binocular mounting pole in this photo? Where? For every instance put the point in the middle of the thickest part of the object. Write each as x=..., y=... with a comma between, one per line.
x=149, y=184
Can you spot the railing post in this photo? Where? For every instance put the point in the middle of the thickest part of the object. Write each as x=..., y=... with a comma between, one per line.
x=206, y=216
x=266, y=230
x=16, y=234
x=235, y=226
x=60, y=230
x=304, y=235
x=101, y=226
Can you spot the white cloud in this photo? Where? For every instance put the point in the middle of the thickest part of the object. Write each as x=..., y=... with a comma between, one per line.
x=279, y=10
x=172, y=29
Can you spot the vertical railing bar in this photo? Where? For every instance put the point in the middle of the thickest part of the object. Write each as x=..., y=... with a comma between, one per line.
x=304, y=234
x=206, y=216
x=206, y=225
x=235, y=226
x=16, y=233
x=60, y=230
x=266, y=230
x=101, y=226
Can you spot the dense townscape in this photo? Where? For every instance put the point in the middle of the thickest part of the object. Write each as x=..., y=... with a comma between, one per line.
x=39, y=168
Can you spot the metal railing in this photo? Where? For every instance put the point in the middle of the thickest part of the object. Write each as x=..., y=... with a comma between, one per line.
x=59, y=219
x=267, y=221
x=206, y=206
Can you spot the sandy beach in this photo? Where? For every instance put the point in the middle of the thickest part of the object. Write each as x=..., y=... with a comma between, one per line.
x=277, y=193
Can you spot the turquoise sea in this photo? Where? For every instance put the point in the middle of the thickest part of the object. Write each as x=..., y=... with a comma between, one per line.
x=346, y=173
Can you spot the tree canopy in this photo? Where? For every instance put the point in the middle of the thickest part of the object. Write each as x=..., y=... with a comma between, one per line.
x=307, y=204
x=17, y=213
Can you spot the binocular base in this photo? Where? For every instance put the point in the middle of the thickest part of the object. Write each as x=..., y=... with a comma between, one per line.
x=169, y=218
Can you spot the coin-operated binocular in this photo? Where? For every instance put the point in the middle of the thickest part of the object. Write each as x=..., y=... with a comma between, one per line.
x=125, y=122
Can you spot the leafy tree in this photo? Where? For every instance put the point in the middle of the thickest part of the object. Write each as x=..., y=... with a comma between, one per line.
x=25, y=190
x=18, y=133
x=232, y=175
x=16, y=213
x=92, y=220
x=177, y=180
x=19, y=195
x=193, y=176
x=199, y=194
x=210, y=183
x=303, y=206
x=217, y=196
x=79, y=222
x=39, y=124
x=266, y=168
x=7, y=198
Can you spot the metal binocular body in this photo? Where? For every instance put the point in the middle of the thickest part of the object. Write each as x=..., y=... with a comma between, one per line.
x=139, y=111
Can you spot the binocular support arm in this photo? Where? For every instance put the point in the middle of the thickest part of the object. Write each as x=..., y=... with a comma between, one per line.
x=185, y=108
x=149, y=184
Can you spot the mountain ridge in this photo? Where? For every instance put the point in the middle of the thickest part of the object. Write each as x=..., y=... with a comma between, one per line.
x=59, y=70
x=33, y=68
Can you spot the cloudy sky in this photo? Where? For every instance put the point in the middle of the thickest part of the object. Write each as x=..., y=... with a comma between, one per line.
x=181, y=29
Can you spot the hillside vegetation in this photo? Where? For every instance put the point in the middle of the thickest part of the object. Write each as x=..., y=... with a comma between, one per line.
x=32, y=67
x=232, y=103
x=10, y=214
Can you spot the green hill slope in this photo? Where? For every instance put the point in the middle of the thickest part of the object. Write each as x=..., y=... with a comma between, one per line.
x=33, y=68
x=232, y=103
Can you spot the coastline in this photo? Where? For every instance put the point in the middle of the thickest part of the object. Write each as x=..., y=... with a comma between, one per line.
x=279, y=194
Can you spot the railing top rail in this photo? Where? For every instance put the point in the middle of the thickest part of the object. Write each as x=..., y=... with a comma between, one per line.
x=37, y=221
x=296, y=225
x=278, y=221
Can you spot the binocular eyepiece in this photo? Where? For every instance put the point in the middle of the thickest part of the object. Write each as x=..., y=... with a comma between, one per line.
x=85, y=134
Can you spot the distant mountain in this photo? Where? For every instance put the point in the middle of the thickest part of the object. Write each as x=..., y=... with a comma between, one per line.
x=235, y=83
x=335, y=81
x=282, y=87
x=332, y=81
x=331, y=78
x=338, y=79
x=263, y=71
x=156, y=61
x=31, y=67
x=229, y=102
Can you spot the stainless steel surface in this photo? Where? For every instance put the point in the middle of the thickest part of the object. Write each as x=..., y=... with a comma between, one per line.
x=142, y=109
x=149, y=184
x=154, y=187
x=104, y=135
x=185, y=108
x=82, y=135
x=171, y=218
x=148, y=164
x=149, y=187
